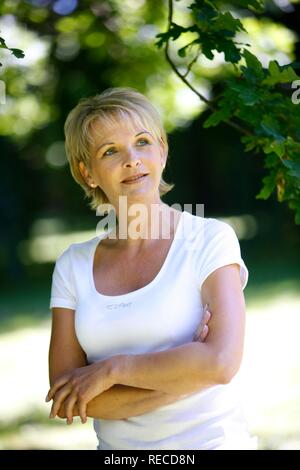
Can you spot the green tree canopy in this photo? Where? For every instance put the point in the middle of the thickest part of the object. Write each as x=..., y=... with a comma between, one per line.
x=255, y=100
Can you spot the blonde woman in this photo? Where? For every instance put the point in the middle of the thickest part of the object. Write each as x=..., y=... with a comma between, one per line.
x=130, y=344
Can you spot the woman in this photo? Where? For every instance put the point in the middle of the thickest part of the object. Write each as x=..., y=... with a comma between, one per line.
x=125, y=308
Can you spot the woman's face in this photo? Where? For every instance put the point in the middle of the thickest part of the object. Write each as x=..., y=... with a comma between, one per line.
x=120, y=151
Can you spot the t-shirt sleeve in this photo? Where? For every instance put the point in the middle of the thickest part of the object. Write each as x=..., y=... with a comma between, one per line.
x=218, y=246
x=62, y=289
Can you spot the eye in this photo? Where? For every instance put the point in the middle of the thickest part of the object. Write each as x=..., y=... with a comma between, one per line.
x=144, y=140
x=111, y=148
x=105, y=153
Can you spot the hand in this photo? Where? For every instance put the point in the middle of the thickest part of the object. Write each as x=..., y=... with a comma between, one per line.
x=78, y=387
x=203, y=330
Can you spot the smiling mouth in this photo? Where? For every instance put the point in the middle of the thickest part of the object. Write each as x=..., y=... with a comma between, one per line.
x=135, y=180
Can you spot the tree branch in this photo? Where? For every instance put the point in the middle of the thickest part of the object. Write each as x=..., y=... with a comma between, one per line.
x=183, y=77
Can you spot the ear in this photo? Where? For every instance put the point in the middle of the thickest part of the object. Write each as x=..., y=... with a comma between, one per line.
x=83, y=171
x=85, y=174
x=163, y=153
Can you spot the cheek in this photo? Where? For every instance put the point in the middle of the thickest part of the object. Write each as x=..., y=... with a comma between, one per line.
x=154, y=161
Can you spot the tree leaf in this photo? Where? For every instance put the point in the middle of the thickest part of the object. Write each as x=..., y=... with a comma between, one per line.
x=18, y=53
x=270, y=127
x=276, y=75
x=274, y=146
x=216, y=117
x=231, y=52
x=252, y=4
x=247, y=93
x=294, y=166
x=269, y=185
x=254, y=66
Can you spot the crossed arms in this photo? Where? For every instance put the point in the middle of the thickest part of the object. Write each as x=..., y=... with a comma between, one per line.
x=136, y=384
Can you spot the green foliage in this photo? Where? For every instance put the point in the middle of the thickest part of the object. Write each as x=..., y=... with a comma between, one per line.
x=215, y=31
x=253, y=98
x=256, y=5
x=279, y=74
x=18, y=53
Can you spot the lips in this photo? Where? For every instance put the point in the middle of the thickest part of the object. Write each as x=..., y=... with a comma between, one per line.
x=134, y=178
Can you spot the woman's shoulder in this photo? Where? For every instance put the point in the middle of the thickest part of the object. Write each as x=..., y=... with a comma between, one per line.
x=204, y=229
x=210, y=223
x=77, y=249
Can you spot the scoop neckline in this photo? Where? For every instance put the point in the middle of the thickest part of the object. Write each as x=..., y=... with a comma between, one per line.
x=148, y=286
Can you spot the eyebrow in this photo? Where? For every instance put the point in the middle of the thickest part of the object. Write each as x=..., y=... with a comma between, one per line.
x=112, y=143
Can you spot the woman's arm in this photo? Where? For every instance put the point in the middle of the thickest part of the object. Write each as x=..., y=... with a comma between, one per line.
x=121, y=401
x=66, y=354
x=190, y=367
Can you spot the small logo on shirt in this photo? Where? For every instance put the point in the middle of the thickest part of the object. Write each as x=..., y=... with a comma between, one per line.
x=121, y=305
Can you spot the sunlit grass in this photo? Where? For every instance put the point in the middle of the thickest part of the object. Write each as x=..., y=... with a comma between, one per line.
x=35, y=431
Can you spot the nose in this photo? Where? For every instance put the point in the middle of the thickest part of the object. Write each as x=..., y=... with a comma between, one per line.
x=132, y=161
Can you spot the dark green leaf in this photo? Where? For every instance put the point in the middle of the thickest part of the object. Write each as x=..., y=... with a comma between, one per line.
x=270, y=126
x=18, y=53
x=276, y=75
x=248, y=94
x=207, y=13
x=227, y=22
x=207, y=47
x=252, y=4
x=269, y=185
x=254, y=66
x=294, y=166
x=173, y=33
x=250, y=142
x=231, y=52
x=2, y=44
x=216, y=117
x=274, y=146
x=271, y=160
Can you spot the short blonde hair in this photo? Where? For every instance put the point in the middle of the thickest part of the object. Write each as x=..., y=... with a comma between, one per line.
x=111, y=106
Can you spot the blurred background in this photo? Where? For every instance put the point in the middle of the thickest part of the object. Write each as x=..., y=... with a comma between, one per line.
x=75, y=49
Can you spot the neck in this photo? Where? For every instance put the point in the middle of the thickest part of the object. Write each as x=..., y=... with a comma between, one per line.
x=139, y=226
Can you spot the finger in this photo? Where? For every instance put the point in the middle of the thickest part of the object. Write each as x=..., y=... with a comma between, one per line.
x=58, y=399
x=203, y=322
x=206, y=316
x=199, y=329
x=204, y=333
x=202, y=336
x=82, y=411
x=197, y=335
x=56, y=386
x=69, y=407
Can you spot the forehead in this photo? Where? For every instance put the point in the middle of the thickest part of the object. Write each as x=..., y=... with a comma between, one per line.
x=101, y=127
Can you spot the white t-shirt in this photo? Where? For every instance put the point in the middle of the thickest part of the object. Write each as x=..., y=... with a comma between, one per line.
x=161, y=315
